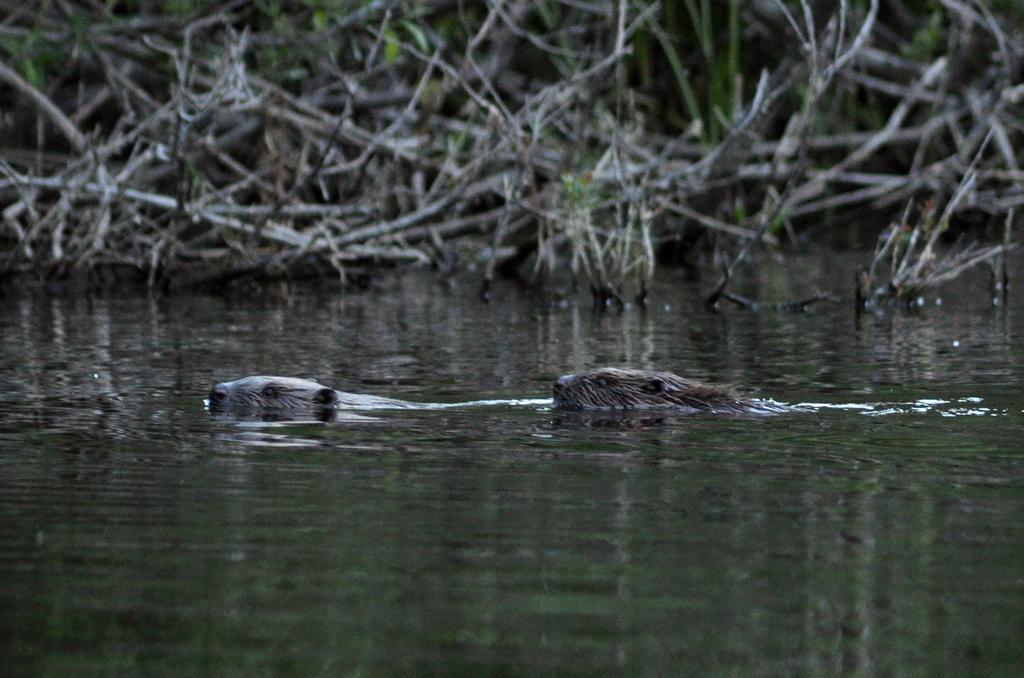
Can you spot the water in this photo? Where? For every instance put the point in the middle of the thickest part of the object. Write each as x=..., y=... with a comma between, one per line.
x=879, y=530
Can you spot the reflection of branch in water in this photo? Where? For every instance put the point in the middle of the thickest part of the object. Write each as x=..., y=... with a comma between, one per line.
x=799, y=306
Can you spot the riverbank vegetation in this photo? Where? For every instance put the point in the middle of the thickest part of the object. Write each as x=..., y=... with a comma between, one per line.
x=189, y=143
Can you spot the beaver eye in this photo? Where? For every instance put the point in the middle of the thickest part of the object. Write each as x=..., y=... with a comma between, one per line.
x=655, y=385
x=326, y=396
x=602, y=382
x=269, y=391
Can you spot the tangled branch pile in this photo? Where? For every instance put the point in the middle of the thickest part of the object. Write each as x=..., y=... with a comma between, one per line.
x=196, y=145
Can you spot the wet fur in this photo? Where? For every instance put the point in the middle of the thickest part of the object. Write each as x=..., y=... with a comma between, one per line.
x=290, y=393
x=611, y=388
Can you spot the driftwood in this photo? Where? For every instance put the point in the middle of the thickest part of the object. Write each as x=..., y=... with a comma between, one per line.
x=399, y=143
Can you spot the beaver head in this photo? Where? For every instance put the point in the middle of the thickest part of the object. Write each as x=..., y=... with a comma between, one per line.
x=271, y=393
x=610, y=388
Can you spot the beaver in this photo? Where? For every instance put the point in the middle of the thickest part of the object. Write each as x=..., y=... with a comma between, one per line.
x=291, y=393
x=611, y=388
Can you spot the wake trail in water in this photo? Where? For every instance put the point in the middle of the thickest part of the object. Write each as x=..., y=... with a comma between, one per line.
x=969, y=406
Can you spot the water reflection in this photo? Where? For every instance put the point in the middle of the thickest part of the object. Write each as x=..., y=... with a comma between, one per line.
x=141, y=533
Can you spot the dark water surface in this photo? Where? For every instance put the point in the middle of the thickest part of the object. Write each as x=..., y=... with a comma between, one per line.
x=140, y=535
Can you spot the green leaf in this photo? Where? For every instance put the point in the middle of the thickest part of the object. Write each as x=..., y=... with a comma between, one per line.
x=418, y=36
x=31, y=73
x=392, y=48
x=320, y=20
x=11, y=46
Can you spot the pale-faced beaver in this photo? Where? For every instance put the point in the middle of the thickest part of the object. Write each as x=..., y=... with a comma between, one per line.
x=290, y=393
x=611, y=388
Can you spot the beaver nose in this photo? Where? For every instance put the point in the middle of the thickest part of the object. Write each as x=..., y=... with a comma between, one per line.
x=218, y=393
x=563, y=382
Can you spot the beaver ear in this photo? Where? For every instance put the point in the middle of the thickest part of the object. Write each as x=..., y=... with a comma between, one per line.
x=326, y=396
x=654, y=385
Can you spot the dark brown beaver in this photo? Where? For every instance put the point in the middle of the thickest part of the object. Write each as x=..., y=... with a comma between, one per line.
x=610, y=388
x=290, y=393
